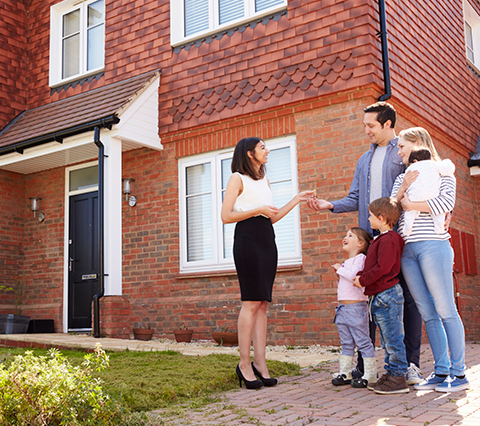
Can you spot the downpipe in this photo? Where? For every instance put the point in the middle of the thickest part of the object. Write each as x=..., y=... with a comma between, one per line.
x=384, y=43
x=101, y=275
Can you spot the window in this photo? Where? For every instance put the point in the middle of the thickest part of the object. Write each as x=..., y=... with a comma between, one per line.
x=77, y=39
x=191, y=19
x=206, y=244
x=472, y=34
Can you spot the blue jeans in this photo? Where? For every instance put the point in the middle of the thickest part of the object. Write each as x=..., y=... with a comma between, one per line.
x=387, y=311
x=428, y=269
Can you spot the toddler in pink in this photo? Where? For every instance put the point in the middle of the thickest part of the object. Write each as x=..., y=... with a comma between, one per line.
x=351, y=314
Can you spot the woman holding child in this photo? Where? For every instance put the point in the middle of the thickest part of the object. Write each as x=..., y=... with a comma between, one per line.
x=427, y=265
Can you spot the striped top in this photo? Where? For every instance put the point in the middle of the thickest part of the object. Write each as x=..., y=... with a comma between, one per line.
x=423, y=227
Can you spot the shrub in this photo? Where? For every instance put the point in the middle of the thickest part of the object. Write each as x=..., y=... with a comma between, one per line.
x=49, y=391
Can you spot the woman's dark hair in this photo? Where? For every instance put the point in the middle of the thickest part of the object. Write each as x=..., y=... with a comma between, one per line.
x=242, y=163
x=363, y=236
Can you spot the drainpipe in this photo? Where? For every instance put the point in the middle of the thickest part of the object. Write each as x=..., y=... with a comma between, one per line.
x=101, y=275
x=383, y=38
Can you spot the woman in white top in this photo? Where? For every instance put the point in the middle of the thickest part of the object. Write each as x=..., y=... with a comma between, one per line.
x=248, y=202
x=427, y=265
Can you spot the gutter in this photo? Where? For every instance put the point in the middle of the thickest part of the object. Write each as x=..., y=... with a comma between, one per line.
x=384, y=42
x=101, y=230
x=106, y=122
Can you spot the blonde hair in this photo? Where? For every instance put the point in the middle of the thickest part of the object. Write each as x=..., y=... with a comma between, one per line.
x=420, y=137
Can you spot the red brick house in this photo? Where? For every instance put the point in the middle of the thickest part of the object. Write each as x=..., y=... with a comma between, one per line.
x=171, y=87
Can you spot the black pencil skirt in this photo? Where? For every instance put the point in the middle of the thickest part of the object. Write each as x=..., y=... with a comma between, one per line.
x=255, y=255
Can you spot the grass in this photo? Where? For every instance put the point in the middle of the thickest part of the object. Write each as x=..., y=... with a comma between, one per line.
x=148, y=381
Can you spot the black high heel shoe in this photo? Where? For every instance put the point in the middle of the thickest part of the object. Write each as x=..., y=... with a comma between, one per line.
x=270, y=381
x=249, y=384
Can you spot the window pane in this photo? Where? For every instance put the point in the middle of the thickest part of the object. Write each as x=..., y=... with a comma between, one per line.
x=231, y=10
x=469, y=41
x=83, y=178
x=265, y=4
x=95, y=13
x=71, y=23
x=199, y=212
x=95, y=43
x=199, y=228
x=278, y=166
x=71, y=56
x=196, y=16
x=199, y=179
x=284, y=229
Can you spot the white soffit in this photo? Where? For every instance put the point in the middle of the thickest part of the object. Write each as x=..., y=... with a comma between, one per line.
x=138, y=127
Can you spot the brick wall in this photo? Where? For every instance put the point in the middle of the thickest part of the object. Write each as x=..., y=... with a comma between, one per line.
x=12, y=189
x=13, y=59
x=43, y=247
x=330, y=140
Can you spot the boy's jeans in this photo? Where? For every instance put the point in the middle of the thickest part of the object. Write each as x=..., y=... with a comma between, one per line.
x=387, y=312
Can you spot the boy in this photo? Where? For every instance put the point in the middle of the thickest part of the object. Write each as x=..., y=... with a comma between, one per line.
x=380, y=279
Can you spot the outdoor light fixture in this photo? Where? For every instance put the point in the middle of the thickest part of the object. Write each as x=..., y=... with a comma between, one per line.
x=34, y=208
x=127, y=190
x=35, y=203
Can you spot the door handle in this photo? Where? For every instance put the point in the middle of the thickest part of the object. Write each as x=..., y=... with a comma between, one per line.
x=70, y=264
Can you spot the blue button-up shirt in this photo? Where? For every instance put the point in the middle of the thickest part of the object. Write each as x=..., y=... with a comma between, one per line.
x=359, y=195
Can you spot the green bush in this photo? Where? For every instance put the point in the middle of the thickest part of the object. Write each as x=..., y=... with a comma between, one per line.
x=49, y=391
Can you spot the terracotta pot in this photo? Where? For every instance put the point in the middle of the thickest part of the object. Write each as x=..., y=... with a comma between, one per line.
x=183, y=335
x=225, y=338
x=143, y=333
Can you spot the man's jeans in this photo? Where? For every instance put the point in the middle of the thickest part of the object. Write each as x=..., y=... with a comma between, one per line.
x=387, y=312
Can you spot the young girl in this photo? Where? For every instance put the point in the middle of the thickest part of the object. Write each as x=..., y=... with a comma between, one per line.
x=351, y=314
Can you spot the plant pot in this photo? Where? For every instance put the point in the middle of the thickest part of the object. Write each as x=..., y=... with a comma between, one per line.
x=183, y=335
x=225, y=338
x=13, y=324
x=143, y=333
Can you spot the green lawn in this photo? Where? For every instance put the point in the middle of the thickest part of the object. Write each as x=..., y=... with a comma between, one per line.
x=153, y=380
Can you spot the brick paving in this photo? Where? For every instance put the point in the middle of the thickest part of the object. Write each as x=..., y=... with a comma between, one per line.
x=311, y=399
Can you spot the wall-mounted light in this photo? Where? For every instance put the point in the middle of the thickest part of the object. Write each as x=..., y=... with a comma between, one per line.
x=127, y=190
x=35, y=206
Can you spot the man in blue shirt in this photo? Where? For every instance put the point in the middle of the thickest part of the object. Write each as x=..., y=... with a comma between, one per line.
x=375, y=174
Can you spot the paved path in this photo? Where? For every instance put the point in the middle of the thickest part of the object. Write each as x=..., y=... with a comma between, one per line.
x=306, y=399
x=311, y=399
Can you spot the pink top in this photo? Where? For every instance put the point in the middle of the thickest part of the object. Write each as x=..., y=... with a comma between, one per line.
x=347, y=273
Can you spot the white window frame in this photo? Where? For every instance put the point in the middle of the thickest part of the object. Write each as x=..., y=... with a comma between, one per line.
x=472, y=18
x=215, y=158
x=177, y=19
x=56, y=14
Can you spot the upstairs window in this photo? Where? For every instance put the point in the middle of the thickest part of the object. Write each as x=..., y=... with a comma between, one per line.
x=192, y=19
x=77, y=39
x=472, y=34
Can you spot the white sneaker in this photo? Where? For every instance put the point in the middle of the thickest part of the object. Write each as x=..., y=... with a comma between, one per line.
x=414, y=375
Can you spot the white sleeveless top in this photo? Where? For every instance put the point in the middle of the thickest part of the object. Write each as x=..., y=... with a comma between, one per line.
x=256, y=193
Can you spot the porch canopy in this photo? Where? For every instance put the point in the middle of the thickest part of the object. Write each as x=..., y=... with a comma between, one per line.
x=61, y=133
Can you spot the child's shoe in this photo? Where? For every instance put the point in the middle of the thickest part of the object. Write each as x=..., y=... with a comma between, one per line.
x=371, y=385
x=370, y=375
x=430, y=383
x=393, y=384
x=453, y=384
x=344, y=377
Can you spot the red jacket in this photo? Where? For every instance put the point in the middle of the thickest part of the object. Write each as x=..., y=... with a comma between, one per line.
x=382, y=264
